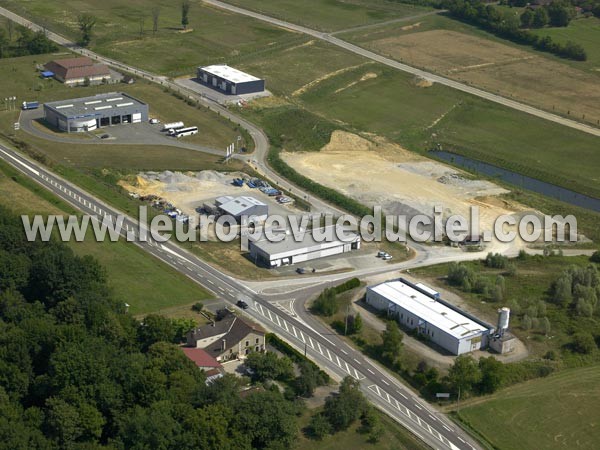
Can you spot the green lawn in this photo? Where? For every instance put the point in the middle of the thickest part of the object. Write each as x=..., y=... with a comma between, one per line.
x=584, y=31
x=137, y=278
x=214, y=36
x=558, y=412
x=395, y=437
x=330, y=15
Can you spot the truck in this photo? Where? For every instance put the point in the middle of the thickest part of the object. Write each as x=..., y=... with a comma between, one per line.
x=30, y=105
x=173, y=126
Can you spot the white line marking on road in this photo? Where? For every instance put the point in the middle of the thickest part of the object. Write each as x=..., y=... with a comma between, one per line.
x=357, y=361
x=210, y=281
x=294, y=330
x=338, y=361
x=371, y=372
x=432, y=417
x=278, y=321
x=302, y=336
x=417, y=405
x=344, y=351
x=385, y=382
x=311, y=342
x=329, y=354
x=461, y=439
x=446, y=428
x=404, y=396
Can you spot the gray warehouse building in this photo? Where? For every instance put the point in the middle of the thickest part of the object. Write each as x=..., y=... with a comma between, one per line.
x=229, y=80
x=289, y=251
x=416, y=308
x=98, y=111
x=242, y=206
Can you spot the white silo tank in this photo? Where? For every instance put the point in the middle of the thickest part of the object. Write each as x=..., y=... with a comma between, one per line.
x=503, y=318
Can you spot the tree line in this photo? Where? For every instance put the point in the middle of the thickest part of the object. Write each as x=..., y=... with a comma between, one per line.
x=78, y=371
x=22, y=41
x=489, y=18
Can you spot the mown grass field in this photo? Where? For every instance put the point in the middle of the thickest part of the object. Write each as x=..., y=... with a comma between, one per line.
x=584, y=31
x=330, y=15
x=137, y=278
x=214, y=35
x=561, y=411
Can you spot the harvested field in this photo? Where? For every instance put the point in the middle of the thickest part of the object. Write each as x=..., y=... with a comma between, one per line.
x=376, y=172
x=498, y=68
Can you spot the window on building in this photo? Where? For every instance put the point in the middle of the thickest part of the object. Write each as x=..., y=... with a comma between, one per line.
x=247, y=343
x=257, y=341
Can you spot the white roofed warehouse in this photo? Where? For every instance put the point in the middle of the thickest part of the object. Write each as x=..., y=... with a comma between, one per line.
x=290, y=251
x=242, y=206
x=416, y=308
x=89, y=113
x=228, y=80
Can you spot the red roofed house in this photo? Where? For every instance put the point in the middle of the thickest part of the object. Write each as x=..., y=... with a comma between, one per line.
x=77, y=71
x=204, y=361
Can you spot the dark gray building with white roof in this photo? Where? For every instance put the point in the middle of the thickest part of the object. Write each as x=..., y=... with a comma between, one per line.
x=228, y=80
x=98, y=111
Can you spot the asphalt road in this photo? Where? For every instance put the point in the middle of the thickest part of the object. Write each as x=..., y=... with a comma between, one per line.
x=329, y=352
x=409, y=69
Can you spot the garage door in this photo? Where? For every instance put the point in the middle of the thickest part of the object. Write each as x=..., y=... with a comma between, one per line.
x=136, y=118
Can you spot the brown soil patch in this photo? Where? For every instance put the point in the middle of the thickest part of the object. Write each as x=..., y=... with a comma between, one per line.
x=316, y=81
x=423, y=82
x=411, y=27
x=377, y=172
x=499, y=68
x=365, y=77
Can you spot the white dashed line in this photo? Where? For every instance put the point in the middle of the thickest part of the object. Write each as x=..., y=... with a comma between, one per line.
x=403, y=396
x=446, y=428
x=357, y=361
x=371, y=372
x=385, y=382
x=418, y=406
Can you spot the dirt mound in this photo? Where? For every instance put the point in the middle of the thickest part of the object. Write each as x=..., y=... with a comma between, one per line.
x=422, y=82
x=411, y=27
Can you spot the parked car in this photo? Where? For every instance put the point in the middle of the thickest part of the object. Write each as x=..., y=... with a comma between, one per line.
x=381, y=254
x=242, y=304
x=154, y=121
x=387, y=257
x=301, y=270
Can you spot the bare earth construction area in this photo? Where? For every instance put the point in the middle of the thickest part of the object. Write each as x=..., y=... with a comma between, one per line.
x=497, y=68
x=381, y=173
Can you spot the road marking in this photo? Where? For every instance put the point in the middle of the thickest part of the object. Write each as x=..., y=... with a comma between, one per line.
x=311, y=342
x=385, y=382
x=370, y=371
x=210, y=281
x=328, y=354
x=320, y=349
x=432, y=417
x=446, y=428
x=357, y=361
x=461, y=439
x=404, y=396
x=344, y=351
x=417, y=405
x=338, y=361
x=286, y=327
x=302, y=336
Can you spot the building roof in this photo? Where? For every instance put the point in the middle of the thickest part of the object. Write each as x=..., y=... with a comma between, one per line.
x=229, y=73
x=93, y=106
x=76, y=68
x=428, y=309
x=238, y=205
x=200, y=357
x=233, y=329
x=308, y=243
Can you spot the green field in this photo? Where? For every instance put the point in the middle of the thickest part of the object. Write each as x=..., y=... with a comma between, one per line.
x=137, y=278
x=214, y=36
x=558, y=412
x=584, y=31
x=331, y=15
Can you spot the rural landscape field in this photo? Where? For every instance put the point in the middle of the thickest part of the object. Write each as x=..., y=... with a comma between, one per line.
x=317, y=224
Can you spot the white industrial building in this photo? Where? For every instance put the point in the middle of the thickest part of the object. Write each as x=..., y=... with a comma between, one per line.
x=289, y=251
x=239, y=207
x=229, y=80
x=417, y=308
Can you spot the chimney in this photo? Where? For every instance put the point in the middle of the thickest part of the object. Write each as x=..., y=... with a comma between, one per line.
x=224, y=344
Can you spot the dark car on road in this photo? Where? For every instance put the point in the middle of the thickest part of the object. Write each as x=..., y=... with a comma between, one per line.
x=242, y=304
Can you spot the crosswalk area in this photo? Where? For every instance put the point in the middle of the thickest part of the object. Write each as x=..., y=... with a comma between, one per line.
x=307, y=341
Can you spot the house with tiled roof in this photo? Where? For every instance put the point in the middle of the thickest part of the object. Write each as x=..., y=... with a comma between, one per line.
x=230, y=338
x=78, y=71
